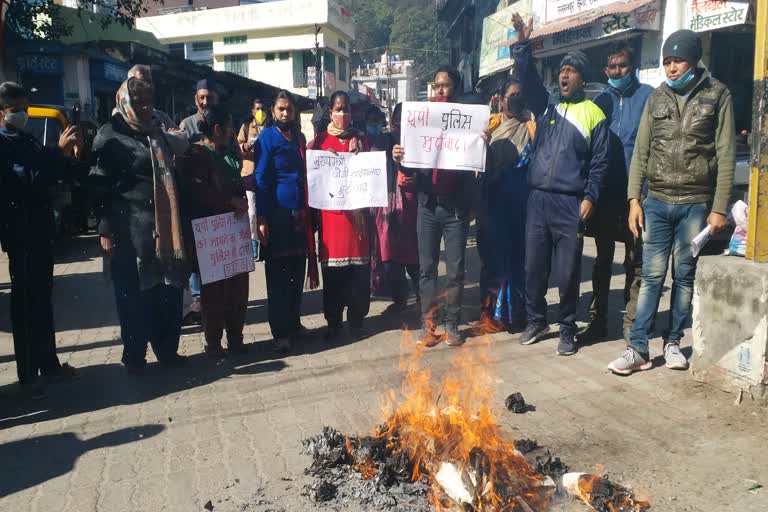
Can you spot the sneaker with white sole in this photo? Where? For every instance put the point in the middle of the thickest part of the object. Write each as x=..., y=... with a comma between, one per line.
x=629, y=362
x=533, y=333
x=675, y=360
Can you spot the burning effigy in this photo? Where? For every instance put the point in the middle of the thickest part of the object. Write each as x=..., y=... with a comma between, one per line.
x=441, y=448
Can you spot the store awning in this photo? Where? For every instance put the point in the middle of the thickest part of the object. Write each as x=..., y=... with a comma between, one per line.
x=615, y=9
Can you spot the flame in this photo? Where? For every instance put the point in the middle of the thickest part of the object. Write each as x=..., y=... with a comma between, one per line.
x=594, y=490
x=452, y=421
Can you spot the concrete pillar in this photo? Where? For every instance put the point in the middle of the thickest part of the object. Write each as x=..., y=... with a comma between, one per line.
x=730, y=325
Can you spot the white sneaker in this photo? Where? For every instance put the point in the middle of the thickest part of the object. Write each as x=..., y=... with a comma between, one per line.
x=674, y=358
x=629, y=362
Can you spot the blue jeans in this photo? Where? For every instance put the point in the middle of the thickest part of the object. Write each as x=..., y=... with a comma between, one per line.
x=669, y=229
x=195, y=284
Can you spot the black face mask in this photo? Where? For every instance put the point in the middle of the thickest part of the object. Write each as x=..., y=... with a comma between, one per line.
x=285, y=125
x=515, y=105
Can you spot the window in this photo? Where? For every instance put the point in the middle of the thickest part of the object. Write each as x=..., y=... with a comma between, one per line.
x=237, y=64
x=202, y=46
x=342, y=69
x=342, y=44
x=269, y=56
x=177, y=50
x=330, y=62
x=284, y=55
x=204, y=62
x=229, y=40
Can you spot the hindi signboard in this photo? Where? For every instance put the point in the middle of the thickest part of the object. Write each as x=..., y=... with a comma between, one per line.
x=444, y=135
x=223, y=244
x=346, y=181
x=705, y=15
x=557, y=9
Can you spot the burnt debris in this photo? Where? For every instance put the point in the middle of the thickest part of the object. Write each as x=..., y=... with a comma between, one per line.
x=549, y=465
x=516, y=403
x=526, y=446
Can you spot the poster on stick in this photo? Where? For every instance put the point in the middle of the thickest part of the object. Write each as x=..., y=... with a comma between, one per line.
x=223, y=244
x=346, y=181
x=444, y=135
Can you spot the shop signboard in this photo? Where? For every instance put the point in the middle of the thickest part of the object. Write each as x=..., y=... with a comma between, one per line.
x=558, y=9
x=647, y=17
x=40, y=64
x=706, y=15
x=497, y=29
x=312, y=83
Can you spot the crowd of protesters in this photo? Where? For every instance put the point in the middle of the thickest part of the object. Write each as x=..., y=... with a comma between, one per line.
x=649, y=168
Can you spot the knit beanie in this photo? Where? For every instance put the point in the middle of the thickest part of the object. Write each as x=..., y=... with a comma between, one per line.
x=578, y=60
x=683, y=44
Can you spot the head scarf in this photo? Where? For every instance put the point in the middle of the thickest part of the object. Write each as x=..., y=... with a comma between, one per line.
x=169, y=243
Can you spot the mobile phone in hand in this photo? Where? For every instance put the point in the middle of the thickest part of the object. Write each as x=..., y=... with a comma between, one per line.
x=75, y=115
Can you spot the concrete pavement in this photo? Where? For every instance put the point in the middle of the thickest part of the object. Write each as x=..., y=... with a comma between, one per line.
x=229, y=431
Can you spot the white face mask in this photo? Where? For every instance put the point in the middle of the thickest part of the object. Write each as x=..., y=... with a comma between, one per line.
x=17, y=119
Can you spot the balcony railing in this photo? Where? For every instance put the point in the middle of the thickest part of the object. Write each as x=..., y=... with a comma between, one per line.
x=300, y=79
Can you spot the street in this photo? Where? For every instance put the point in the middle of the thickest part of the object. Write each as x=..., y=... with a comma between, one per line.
x=229, y=431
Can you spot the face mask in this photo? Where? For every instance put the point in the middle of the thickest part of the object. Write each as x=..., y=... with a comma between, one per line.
x=17, y=119
x=285, y=125
x=373, y=130
x=515, y=104
x=683, y=81
x=620, y=83
x=341, y=120
x=259, y=117
x=440, y=99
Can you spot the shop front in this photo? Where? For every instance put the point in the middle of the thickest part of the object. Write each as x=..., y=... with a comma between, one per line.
x=40, y=68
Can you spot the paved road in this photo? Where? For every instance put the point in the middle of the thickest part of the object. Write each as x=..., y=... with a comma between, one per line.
x=229, y=431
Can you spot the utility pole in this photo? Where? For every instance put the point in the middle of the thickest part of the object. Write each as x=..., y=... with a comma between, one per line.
x=318, y=62
x=757, y=235
x=389, y=82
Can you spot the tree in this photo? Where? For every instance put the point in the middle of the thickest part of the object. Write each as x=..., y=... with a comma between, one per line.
x=373, y=23
x=417, y=35
x=40, y=19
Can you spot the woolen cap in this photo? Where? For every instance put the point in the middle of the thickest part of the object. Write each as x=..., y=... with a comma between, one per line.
x=577, y=59
x=683, y=44
x=205, y=83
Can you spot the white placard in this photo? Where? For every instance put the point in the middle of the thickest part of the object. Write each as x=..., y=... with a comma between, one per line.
x=346, y=181
x=444, y=135
x=224, y=248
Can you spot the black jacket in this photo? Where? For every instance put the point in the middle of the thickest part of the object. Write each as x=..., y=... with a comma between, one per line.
x=123, y=186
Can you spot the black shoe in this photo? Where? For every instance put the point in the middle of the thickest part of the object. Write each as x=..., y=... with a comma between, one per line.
x=516, y=327
x=175, y=361
x=595, y=331
x=533, y=333
x=62, y=373
x=428, y=338
x=34, y=390
x=452, y=336
x=567, y=345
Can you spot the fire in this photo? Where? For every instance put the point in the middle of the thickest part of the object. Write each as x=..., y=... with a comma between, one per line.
x=601, y=494
x=451, y=435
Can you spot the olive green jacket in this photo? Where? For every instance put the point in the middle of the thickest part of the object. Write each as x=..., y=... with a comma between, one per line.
x=685, y=146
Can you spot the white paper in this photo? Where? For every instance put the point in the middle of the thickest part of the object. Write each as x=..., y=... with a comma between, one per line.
x=698, y=243
x=224, y=248
x=444, y=135
x=346, y=181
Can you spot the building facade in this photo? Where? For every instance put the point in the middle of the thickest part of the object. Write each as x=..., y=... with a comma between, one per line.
x=274, y=42
x=389, y=81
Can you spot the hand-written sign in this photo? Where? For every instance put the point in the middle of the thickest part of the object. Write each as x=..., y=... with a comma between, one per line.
x=346, y=181
x=224, y=248
x=444, y=135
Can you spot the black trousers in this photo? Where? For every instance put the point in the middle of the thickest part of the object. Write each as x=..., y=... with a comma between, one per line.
x=224, y=305
x=285, y=285
x=603, y=270
x=34, y=339
x=397, y=282
x=349, y=287
x=432, y=226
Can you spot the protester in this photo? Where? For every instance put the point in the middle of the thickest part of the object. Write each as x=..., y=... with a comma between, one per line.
x=283, y=221
x=140, y=226
x=205, y=96
x=445, y=208
x=501, y=219
x=685, y=150
x=247, y=140
x=568, y=163
x=396, y=227
x=27, y=170
x=344, y=242
x=211, y=185
x=622, y=103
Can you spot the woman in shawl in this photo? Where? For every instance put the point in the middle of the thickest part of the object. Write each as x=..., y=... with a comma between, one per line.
x=283, y=221
x=505, y=193
x=140, y=227
x=210, y=174
x=344, y=242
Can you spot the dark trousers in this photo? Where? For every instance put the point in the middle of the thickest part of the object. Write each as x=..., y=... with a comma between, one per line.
x=432, y=226
x=223, y=306
x=285, y=284
x=348, y=287
x=603, y=270
x=152, y=315
x=395, y=277
x=554, y=235
x=34, y=339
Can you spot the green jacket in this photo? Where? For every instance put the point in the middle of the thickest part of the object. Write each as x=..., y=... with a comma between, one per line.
x=685, y=146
